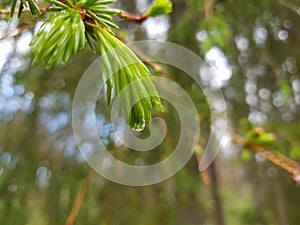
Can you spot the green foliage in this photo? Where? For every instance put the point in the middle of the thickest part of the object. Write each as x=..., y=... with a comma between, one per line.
x=260, y=136
x=98, y=11
x=198, y=150
x=295, y=152
x=247, y=189
x=285, y=90
x=59, y=37
x=131, y=69
x=75, y=23
x=202, y=104
x=246, y=155
x=160, y=7
x=218, y=33
x=63, y=34
x=244, y=125
x=32, y=5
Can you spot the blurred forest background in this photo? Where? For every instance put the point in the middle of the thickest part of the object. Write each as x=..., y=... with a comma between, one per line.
x=252, y=47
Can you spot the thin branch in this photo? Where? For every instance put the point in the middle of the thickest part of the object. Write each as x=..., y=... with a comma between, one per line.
x=21, y=29
x=290, y=5
x=209, y=9
x=7, y=11
x=278, y=159
x=133, y=18
x=43, y=10
x=79, y=199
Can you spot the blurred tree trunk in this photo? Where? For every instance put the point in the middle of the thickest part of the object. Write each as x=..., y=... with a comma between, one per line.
x=215, y=196
x=280, y=203
x=184, y=25
x=258, y=192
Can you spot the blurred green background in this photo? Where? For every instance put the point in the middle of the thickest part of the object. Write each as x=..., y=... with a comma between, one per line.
x=252, y=48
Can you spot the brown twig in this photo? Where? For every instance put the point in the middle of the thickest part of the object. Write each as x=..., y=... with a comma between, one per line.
x=132, y=18
x=43, y=10
x=278, y=159
x=7, y=11
x=290, y=5
x=21, y=30
x=79, y=199
x=209, y=9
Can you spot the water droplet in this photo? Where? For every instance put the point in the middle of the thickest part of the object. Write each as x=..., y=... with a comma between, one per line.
x=139, y=127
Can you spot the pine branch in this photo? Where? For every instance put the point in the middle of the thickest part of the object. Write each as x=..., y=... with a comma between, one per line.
x=278, y=159
x=290, y=5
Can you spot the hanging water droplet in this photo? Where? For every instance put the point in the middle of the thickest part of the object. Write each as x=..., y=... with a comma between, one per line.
x=139, y=127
